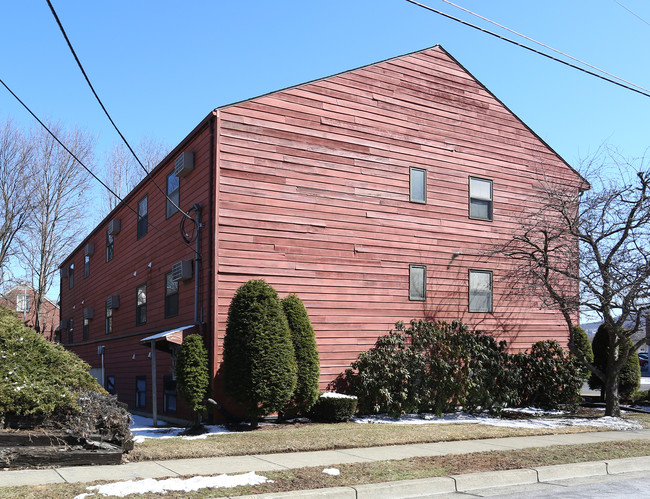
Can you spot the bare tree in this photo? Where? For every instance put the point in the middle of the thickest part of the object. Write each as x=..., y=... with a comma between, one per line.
x=60, y=204
x=590, y=251
x=123, y=172
x=16, y=186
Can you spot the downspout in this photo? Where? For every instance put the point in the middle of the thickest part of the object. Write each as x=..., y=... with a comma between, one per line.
x=197, y=269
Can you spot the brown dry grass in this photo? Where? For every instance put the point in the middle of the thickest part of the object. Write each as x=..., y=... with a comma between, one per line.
x=384, y=471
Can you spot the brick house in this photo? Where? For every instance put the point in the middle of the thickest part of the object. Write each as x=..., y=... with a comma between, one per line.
x=371, y=194
x=22, y=300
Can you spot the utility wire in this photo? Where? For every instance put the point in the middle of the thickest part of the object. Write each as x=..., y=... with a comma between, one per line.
x=547, y=46
x=633, y=13
x=82, y=164
x=644, y=93
x=56, y=17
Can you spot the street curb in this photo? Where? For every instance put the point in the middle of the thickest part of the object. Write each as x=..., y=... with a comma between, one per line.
x=425, y=487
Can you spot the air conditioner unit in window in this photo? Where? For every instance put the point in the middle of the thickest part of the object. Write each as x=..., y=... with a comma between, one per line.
x=114, y=227
x=63, y=325
x=113, y=301
x=88, y=313
x=184, y=164
x=65, y=272
x=89, y=250
x=182, y=270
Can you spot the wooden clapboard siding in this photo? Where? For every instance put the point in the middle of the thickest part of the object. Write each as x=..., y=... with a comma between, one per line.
x=308, y=188
x=136, y=262
x=313, y=196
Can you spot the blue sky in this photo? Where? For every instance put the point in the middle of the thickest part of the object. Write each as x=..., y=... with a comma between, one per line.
x=161, y=67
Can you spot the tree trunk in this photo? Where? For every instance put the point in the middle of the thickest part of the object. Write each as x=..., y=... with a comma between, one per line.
x=612, y=407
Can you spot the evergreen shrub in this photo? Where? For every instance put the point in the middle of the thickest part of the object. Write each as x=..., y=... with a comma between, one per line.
x=192, y=374
x=37, y=378
x=306, y=352
x=582, y=343
x=259, y=365
x=630, y=374
x=333, y=408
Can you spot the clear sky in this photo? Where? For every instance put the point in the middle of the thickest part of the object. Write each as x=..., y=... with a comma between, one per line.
x=161, y=67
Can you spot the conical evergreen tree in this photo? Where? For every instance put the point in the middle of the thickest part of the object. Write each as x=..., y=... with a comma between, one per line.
x=192, y=374
x=259, y=365
x=306, y=351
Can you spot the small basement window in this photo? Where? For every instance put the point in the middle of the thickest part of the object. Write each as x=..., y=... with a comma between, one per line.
x=417, y=282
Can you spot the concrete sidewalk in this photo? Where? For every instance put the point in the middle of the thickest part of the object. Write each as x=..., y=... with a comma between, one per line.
x=271, y=462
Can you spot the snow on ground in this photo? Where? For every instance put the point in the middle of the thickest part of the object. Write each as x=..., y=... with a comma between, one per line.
x=151, y=485
x=332, y=471
x=142, y=428
x=609, y=423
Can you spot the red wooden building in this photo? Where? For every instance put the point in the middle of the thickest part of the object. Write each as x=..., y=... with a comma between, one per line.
x=22, y=300
x=372, y=194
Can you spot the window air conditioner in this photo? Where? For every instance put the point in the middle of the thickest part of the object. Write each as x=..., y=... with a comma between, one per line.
x=89, y=250
x=184, y=164
x=113, y=227
x=113, y=301
x=63, y=325
x=182, y=270
x=88, y=313
x=65, y=272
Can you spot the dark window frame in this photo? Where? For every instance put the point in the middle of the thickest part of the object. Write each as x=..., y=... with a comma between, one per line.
x=140, y=395
x=173, y=195
x=86, y=266
x=70, y=331
x=412, y=292
x=110, y=384
x=110, y=246
x=171, y=299
x=143, y=219
x=412, y=199
x=109, y=319
x=71, y=276
x=86, y=328
x=490, y=308
x=140, y=308
x=489, y=203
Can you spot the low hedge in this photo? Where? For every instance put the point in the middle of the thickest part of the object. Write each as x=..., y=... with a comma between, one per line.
x=333, y=408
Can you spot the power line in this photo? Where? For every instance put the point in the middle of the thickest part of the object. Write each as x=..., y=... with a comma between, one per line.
x=546, y=46
x=633, y=13
x=56, y=17
x=644, y=93
x=81, y=162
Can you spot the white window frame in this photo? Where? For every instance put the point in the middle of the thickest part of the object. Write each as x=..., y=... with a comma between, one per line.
x=473, y=291
x=414, y=295
x=481, y=198
x=413, y=177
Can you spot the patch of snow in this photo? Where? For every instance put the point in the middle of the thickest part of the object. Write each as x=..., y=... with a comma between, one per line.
x=153, y=486
x=332, y=471
x=334, y=395
x=142, y=428
x=604, y=422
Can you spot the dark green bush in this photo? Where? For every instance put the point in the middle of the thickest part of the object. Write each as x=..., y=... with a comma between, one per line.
x=333, y=408
x=37, y=378
x=430, y=366
x=192, y=374
x=548, y=377
x=259, y=365
x=306, y=352
x=630, y=375
x=582, y=343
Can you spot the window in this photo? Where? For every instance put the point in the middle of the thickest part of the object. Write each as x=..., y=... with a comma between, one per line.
x=86, y=328
x=70, y=331
x=171, y=296
x=109, y=246
x=417, y=282
x=86, y=266
x=143, y=216
x=71, y=276
x=480, y=199
x=140, y=392
x=22, y=303
x=141, y=305
x=480, y=291
x=173, y=190
x=418, y=185
x=169, y=401
x=110, y=384
x=109, y=318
